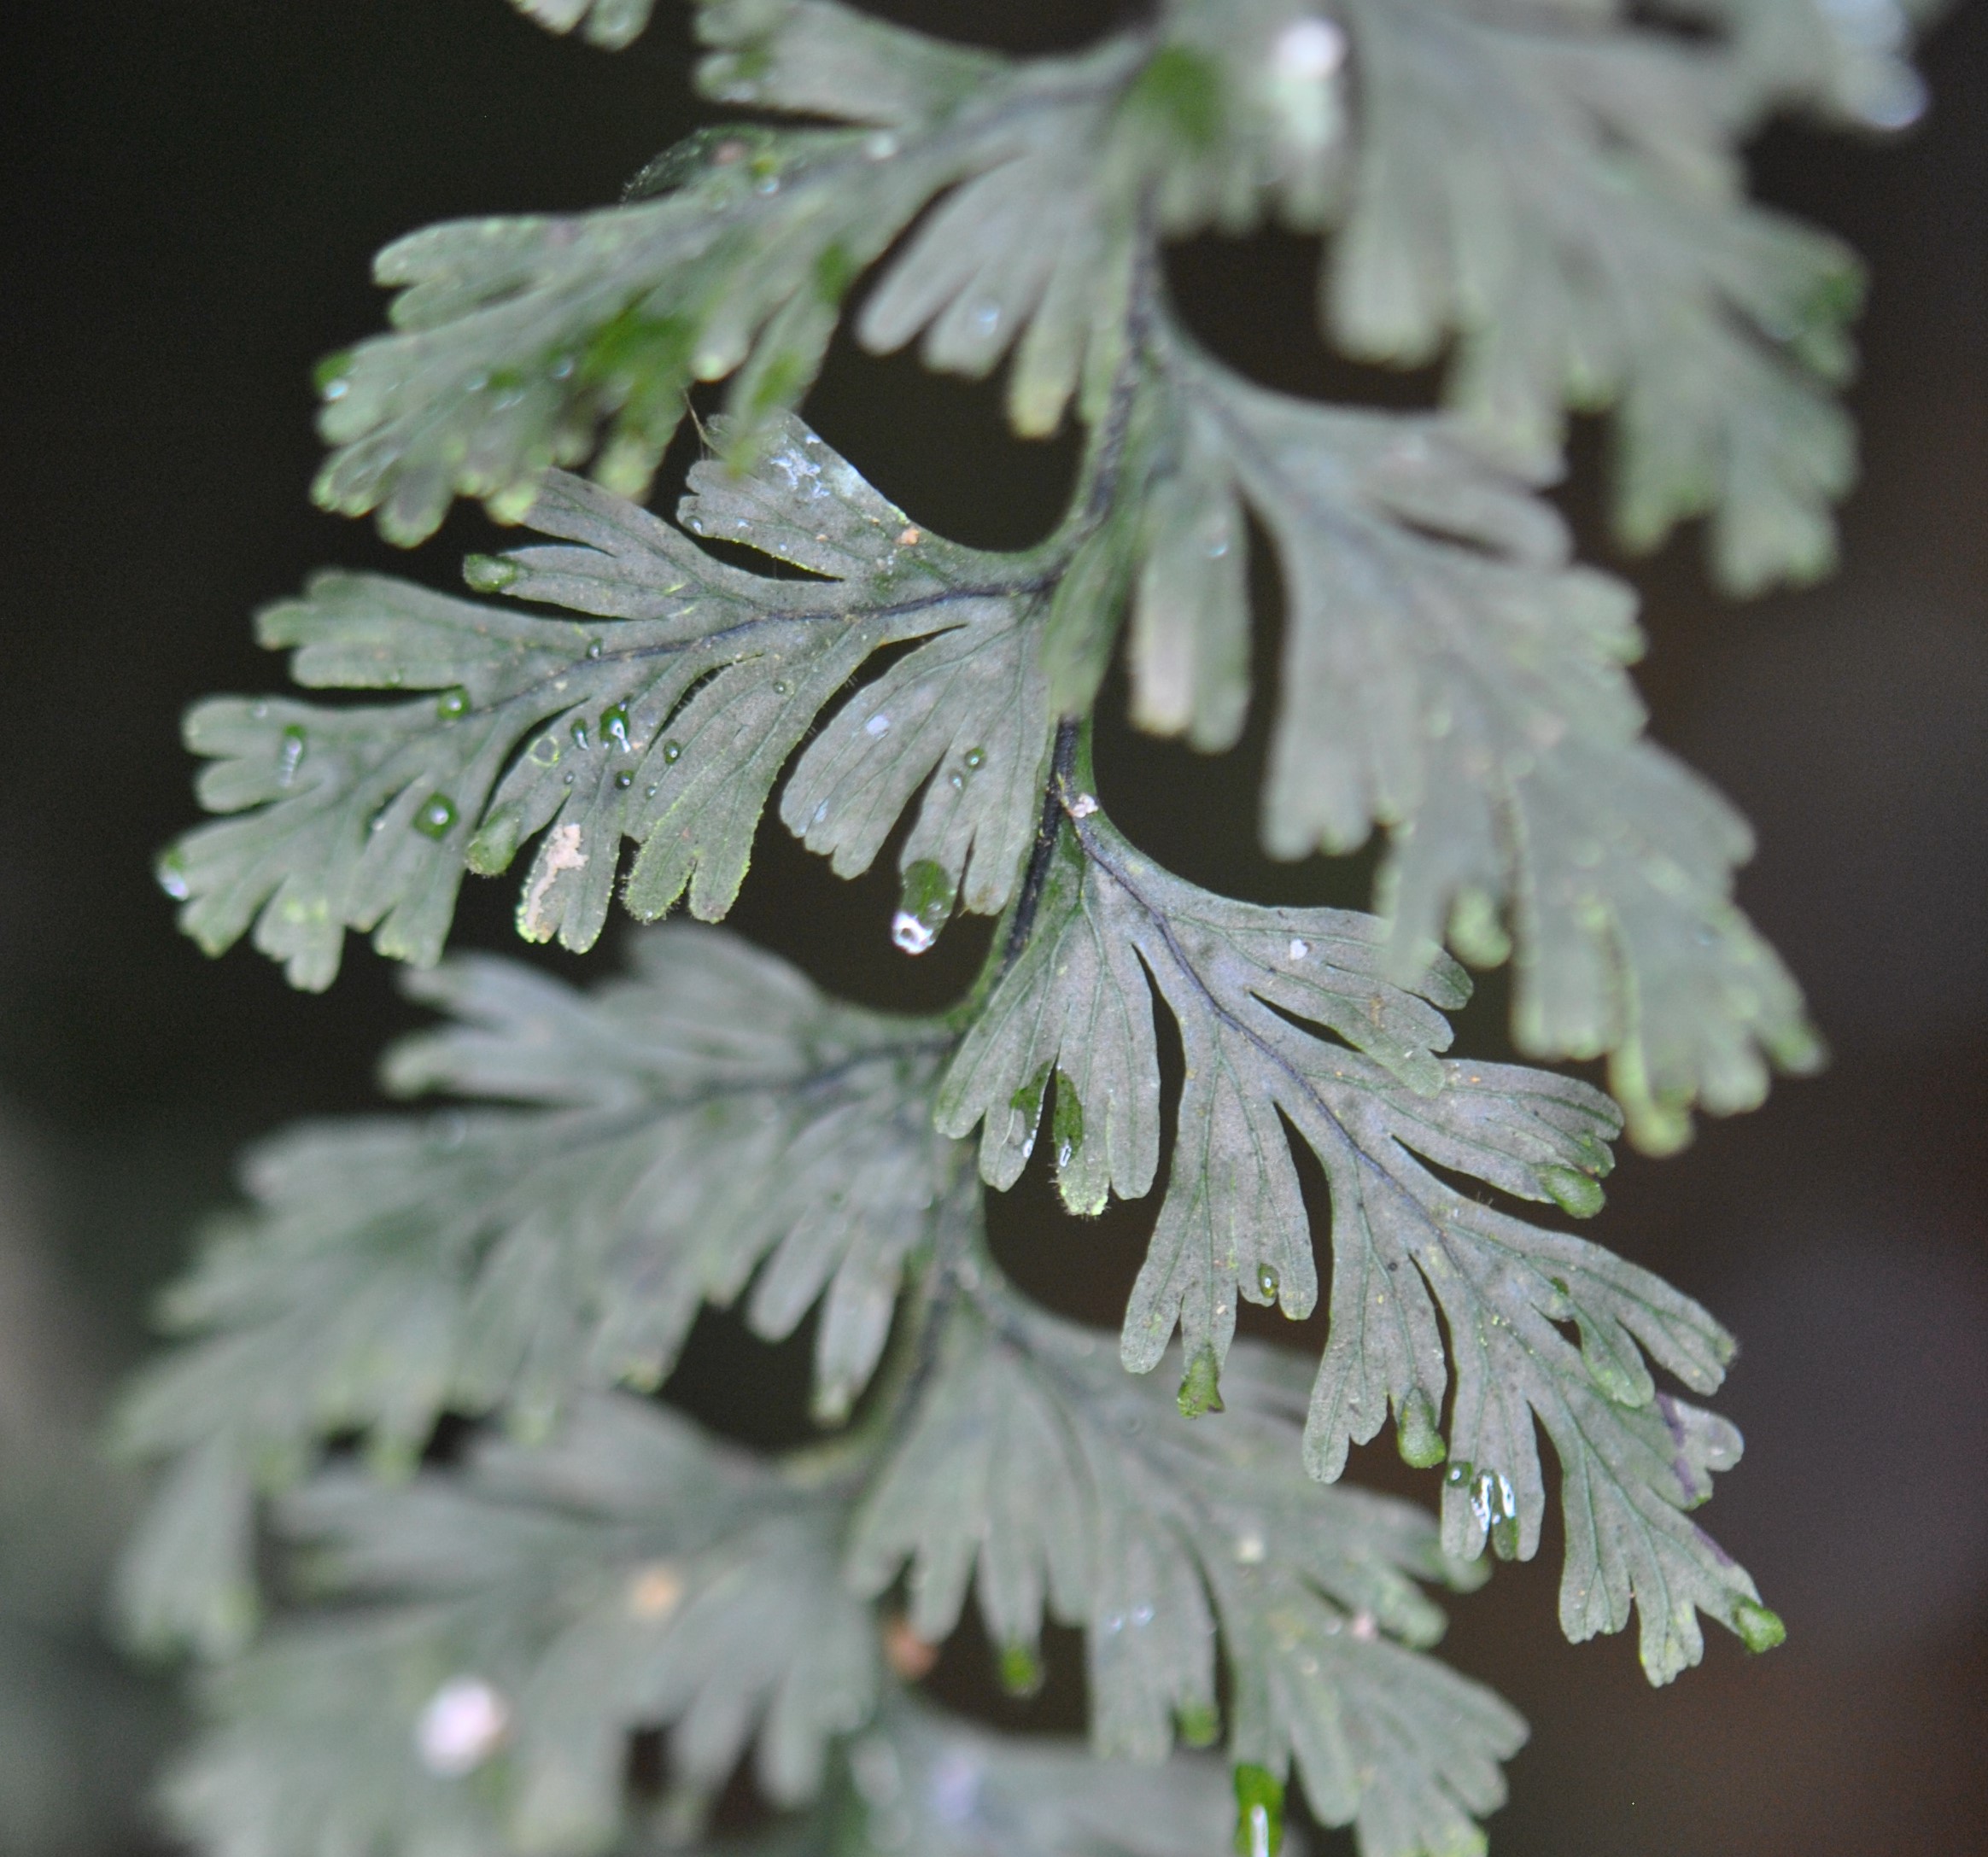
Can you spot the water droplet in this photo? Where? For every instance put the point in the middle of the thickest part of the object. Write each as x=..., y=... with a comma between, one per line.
x=463, y=1723
x=1457, y=1472
x=987, y=319
x=1250, y=1548
x=878, y=725
x=1300, y=949
x=1266, y=1281
x=562, y=369
x=436, y=816
x=614, y=725
x=172, y=875
x=594, y=648
x=1021, y=1670
x=545, y=752
x=294, y=743
x=452, y=703
x=1217, y=548
x=1260, y=1803
x=767, y=184
x=258, y=710
x=976, y=759
x=820, y=813
x=578, y=732
x=624, y=781
x=1067, y=1125
x=1142, y=1614
x=881, y=146
x=924, y=906
x=1309, y=49
x=337, y=389
x=672, y=752
x=1201, y=1388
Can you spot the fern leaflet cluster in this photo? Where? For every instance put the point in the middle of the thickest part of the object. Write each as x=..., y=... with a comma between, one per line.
x=462, y=1653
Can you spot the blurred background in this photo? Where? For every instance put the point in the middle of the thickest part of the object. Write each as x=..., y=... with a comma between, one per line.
x=191, y=196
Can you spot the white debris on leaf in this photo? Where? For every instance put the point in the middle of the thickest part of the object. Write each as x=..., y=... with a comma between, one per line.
x=463, y=1725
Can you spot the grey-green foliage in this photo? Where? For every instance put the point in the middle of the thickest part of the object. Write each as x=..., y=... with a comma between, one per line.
x=1040, y=1471
x=1449, y=674
x=639, y=1575
x=1547, y=201
x=1373, y=1103
x=712, y=1123
x=665, y=717
x=1564, y=201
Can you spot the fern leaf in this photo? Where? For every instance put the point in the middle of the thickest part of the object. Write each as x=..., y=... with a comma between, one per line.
x=930, y=1783
x=1036, y=1466
x=1376, y=1109
x=1574, y=223
x=634, y=1575
x=1449, y=674
x=712, y=1124
x=668, y=724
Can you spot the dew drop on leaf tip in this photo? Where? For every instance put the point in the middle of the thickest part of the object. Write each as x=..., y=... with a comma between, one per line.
x=926, y=904
x=293, y=746
x=436, y=815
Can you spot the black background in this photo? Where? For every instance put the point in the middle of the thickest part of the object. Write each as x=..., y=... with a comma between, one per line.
x=192, y=193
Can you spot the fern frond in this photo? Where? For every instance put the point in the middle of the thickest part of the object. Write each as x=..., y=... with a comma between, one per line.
x=530, y=1614
x=668, y=723
x=1381, y=1113
x=1449, y=674
x=710, y=1124
x=1036, y=1466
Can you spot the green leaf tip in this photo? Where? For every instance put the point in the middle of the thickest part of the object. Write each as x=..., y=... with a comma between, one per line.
x=1260, y=1809
x=1418, y=1430
x=489, y=573
x=1020, y=1668
x=1199, y=1723
x=925, y=906
x=1201, y=1387
x=1577, y=1194
x=1760, y=1629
